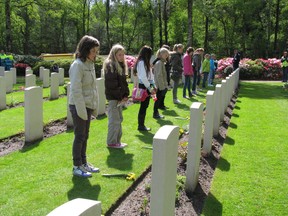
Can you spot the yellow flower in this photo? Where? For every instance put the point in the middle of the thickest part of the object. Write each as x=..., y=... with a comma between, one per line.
x=131, y=176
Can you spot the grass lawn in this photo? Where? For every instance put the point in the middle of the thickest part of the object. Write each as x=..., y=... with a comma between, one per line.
x=251, y=176
x=18, y=96
x=39, y=178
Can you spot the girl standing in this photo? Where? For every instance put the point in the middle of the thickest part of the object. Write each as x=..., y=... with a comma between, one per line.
x=160, y=80
x=146, y=81
x=117, y=91
x=188, y=71
x=83, y=102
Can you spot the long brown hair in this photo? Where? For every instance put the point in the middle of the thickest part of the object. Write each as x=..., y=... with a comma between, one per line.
x=145, y=55
x=85, y=45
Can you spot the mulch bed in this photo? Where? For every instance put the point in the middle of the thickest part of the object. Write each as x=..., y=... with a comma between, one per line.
x=135, y=201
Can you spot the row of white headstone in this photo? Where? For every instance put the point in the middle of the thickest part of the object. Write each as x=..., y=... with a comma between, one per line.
x=165, y=151
x=165, y=147
x=9, y=78
x=34, y=109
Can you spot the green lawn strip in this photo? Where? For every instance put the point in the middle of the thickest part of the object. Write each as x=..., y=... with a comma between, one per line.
x=251, y=176
x=39, y=178
x=17, y=96
x=12, y=120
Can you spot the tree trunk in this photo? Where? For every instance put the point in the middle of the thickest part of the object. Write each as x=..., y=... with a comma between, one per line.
x=276, y=28
x=8, y=26
x=151, y=24
x=84, y=17
x=165, y=19
x=190, y=23
x=160, y=23
x=206, y=33
x=107, y=22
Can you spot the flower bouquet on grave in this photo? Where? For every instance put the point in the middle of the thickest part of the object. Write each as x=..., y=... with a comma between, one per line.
x=129, y=176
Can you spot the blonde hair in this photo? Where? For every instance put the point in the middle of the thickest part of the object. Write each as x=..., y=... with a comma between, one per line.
x=162, y=51
x=112, y=63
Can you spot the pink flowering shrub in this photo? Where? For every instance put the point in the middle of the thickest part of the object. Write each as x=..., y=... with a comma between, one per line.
x=130, y=61
x=258, y=69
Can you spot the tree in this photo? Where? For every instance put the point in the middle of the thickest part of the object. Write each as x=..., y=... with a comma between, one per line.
x=190, y=23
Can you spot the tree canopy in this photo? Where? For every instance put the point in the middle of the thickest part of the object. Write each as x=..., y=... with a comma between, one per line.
x=257, y=28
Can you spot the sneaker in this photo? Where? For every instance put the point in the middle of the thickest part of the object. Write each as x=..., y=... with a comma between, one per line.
x=186, y=97
x=143, y=128
x=194, y=92
x=80, y=171
x=117, y=145
x=176, y=101
x=158, y=116
x=90, y=168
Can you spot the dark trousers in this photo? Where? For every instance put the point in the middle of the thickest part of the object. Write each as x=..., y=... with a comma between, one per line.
x=143, y=107
x=160, y=100
x=187, y=85
x=285, y=74
x=196, y=80
x=81, y=134
x=205, y=77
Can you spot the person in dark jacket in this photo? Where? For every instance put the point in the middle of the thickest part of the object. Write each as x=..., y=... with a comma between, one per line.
x=177, y=70
x=117, y=92
x=236, y=59
x=196, y=64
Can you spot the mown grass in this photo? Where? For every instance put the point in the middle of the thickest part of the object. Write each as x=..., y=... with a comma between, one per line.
x=39, y=178
x=17, y=96
x=251, y=176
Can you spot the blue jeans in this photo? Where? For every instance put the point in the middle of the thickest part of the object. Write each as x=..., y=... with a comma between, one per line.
x=196, y=80
x=210, y=77
x=187, y=85
x=205, y=76
x=81, y=134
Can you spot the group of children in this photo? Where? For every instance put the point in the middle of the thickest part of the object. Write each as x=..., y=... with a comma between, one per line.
x=152, y=77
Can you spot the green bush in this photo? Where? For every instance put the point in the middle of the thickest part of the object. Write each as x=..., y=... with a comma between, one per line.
x=66, y=65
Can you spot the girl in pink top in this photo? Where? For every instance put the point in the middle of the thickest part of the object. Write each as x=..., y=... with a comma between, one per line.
x=188, y=71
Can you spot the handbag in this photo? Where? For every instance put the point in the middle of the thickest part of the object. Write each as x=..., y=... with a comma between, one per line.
x=139, y=94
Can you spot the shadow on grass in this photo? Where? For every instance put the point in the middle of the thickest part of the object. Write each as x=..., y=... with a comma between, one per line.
x=223, y=164
x=170, y=113
x=162, y=122
x=30, y=146
x=229, y=140
x=145, y=137
x=82, y=188
x=235, y=115
x=182, y=106
x=118, y=159
x=233, y=125
x=212, y=206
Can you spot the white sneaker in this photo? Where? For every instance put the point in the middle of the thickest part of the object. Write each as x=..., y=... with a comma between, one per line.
x=80, y=171
x=117, y=145
x=90, y=168
x=176, y=101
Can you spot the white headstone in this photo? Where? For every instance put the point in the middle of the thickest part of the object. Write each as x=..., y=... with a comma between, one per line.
x=78, y=207
x=9, y=81
x=54, y=89
x=41, y=69
x=194, y=146
x=33, y=114
x=223, y=99
x=69, y=116
x=29, y=71
x=209, y=124
x=164, y=171
x=14, y=72
x=218, y=107
x=61, y=76
x=30, y=80
x=2, y=70
x=2, y=93
x=101, y=96
x=46, y=78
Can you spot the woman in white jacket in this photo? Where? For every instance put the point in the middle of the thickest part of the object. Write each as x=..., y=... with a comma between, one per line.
x=83, y=101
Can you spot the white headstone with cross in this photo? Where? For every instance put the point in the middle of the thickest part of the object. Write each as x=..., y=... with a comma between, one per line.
x=30, y=80
x=194, y=146
x=33, y=114
x=2, y=93
x=164, y=171
x=54, y=88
